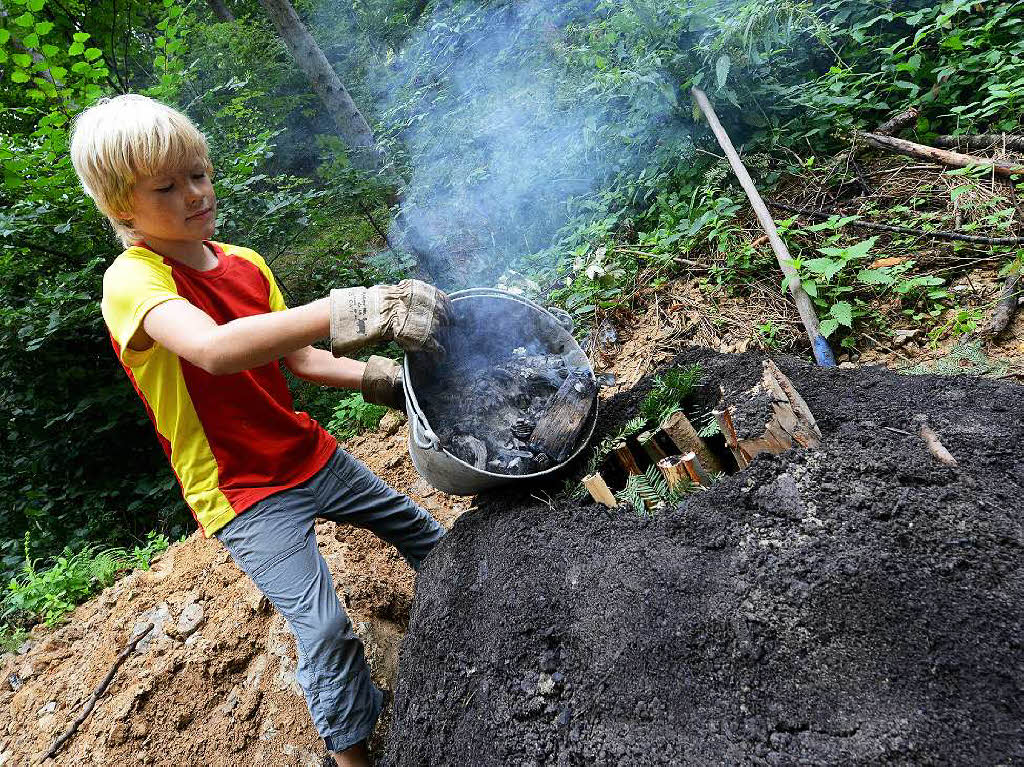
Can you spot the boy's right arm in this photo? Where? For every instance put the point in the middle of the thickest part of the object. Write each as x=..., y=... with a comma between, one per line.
x=410, y=313
x=241, y=344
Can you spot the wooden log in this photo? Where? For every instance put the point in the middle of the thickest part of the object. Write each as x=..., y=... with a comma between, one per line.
x=942, y=156
x=697, y=473
x=894, y=125
x=804, y=305
x=932, y=441
x=1009, y=299
x=626, y=458
x=599, y=490
x=677, y=427
x=724, y=418
x=673, y=470
x=982, y=141
x=556, y=431
x=648, y=441
x=794, y=416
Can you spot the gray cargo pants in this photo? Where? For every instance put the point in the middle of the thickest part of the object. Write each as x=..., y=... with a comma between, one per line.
x=274, y=543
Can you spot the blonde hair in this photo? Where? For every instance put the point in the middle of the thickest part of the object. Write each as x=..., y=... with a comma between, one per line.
x=120, y=140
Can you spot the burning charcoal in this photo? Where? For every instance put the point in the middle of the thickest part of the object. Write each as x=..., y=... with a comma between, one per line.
x=522, y=429
x=470, y=449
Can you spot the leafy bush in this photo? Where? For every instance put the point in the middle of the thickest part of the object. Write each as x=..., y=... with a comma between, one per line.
x=47, y=595
x=353, y=415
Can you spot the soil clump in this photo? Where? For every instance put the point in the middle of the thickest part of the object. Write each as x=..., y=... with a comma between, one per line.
x=856, y=603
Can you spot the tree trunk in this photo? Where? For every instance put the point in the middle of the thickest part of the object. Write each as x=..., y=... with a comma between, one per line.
x=221, y=11
x=352, y=126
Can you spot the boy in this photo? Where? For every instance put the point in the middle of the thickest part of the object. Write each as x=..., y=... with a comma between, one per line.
x=199, y=328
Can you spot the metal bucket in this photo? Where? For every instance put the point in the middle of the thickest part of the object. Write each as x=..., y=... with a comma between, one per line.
x=452, y=475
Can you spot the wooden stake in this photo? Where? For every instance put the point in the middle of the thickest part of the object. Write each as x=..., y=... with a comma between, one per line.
x=599, y=490
x=1011, y=296
x=942, y=156
x=809, y=317
x=697, y=474
x=673, y=469
x=626, y=458
x=679, y=429
x=931, y=439
x=724, y=418
x=650, y=445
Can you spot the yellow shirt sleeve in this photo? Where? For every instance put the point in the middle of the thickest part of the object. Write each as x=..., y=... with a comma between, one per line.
x=136, y=282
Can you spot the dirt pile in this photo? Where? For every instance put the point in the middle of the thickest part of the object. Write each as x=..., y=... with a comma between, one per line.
x=860, y=603
x=215, y=682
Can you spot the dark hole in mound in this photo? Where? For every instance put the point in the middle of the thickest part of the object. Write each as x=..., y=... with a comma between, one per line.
x=495, y=399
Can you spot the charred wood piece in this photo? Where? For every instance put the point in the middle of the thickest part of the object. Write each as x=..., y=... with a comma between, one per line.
x=673, y=469
x=626, y=458
x=558, y=428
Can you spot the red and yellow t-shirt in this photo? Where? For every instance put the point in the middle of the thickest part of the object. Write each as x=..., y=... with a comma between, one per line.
x=232, y=440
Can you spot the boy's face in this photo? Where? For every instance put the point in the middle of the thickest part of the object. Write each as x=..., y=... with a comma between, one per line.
x=175, y=205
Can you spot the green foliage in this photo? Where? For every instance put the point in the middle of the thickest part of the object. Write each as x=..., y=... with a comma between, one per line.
x=669, y=391
x=649, y=491
x=47, y=595
x=353, y=415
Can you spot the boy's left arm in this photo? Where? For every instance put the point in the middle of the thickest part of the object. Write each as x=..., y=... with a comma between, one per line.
x=379, y=379
x=322, y=367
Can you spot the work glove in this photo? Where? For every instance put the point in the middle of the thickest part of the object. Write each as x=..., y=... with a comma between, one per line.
x=382, y=383
x=410, y=313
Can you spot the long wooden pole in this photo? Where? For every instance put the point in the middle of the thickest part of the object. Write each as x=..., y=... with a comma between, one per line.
x=822, y=351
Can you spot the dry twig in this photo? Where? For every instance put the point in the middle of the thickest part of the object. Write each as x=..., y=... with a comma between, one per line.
x=91, y=703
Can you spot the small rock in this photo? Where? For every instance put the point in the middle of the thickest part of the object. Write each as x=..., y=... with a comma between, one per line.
x=49, y=708
x=546, y=685
x=118, y=734
x=5, y=758
x=15, y=682
x=901, y=337
x=848, y=365
x=422, y=488
x=47, y=723
x=27, y=645
x=268, y=731
x=26, y=671
x=391, y=422
x=189, y=620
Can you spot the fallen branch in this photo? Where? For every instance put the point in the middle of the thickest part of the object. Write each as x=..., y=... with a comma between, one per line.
x=977, y=238
x=91, y=703
x=899, y=122
x=934, y=444
x=982, y=141
x=941, y=156
x=1009, y=299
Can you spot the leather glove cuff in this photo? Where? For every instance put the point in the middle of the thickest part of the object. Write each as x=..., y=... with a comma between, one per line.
x=382, y=383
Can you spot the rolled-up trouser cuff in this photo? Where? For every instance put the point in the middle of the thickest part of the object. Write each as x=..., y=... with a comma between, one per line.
x=345, y=739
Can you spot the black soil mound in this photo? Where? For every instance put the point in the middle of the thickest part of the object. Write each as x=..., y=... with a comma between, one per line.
x=857, y=604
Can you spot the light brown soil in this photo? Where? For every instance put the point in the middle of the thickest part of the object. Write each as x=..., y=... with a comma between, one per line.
x=226, y=695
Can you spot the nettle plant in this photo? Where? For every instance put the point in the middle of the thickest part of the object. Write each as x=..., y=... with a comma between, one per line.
x=843, y=282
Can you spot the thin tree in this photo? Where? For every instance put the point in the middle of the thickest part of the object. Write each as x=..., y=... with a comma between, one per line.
x=352, y=126
x=221, y=11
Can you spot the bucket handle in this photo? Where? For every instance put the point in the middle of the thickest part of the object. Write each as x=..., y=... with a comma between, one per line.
x=562, y=317
x=422, y=435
